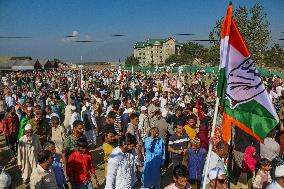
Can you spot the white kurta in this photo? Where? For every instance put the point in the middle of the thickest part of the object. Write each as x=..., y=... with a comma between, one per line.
x=121, y=170
x=43, y=179
x=67, y=114
x=75, y=116
x=58, y=136
x=27, y=155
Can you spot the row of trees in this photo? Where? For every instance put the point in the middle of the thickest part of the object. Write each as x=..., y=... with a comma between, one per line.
x=253, y=26
x=131, y=61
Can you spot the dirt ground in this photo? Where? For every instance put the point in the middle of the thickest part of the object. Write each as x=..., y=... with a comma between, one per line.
x=12, y=168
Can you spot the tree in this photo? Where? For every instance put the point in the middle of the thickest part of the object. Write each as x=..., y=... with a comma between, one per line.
x=188, y=53
x=213, y=54
x=254, y=28
x=191, y=51
x=274, y=57
x=37, y=65
x=57, y=60
x=174, y=58
x=131, y=61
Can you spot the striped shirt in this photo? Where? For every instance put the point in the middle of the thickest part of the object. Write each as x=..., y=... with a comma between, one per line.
x=178, y=143
x=116, y=122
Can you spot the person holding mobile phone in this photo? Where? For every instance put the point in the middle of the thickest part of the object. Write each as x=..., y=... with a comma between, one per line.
x=178, y=144
x=154, y=159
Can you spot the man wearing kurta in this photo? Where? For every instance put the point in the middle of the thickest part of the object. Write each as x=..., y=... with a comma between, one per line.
x=28, y=149
x=43, y=176
x=40, y=126
x=24, y=120
x=57, y=133
x=155, y=158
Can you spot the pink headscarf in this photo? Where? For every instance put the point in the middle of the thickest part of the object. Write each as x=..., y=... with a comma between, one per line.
x=249, y=163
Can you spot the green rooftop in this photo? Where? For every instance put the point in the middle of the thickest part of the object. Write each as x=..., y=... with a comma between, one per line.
x=152, y=42
x=139, y=45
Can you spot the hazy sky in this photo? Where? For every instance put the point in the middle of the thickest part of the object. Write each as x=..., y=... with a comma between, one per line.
x=48, y=21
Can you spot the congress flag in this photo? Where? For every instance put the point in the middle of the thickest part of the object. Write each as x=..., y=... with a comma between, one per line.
x=245, y=101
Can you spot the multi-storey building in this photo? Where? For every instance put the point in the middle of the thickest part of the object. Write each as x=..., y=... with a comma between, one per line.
x=155, y=51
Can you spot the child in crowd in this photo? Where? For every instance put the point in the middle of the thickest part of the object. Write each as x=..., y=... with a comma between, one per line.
x=263, y=177
x=196, y=161
x=180, y=178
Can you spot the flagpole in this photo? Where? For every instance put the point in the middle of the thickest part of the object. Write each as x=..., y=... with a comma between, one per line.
x=211, y=142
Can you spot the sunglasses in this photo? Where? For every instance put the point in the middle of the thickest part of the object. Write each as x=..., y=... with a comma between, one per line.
x=222, y=181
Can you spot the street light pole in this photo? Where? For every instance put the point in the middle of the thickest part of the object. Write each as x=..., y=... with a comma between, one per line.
x=81, y=69
x=81, y=81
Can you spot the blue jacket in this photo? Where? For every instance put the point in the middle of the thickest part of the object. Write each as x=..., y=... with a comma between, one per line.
x=196, y=161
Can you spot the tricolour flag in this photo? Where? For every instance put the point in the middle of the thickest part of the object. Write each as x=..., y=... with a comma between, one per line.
x=245, y=101
x=120, y=74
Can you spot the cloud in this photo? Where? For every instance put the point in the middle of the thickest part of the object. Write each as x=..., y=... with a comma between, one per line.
x=70, y=38
x=87, y=37
x=75, y=36
x=75, y=33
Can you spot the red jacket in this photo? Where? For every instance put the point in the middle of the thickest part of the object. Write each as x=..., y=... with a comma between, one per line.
x=10, y=125
x=79, y=167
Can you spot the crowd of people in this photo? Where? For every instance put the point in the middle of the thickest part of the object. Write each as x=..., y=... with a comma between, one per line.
x=144, y=123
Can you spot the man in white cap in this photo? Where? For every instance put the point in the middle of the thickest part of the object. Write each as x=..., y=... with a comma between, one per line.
x=90, y=123
x=58, y=133
x=278, y=183
x=163, y=100
x=218, y=179
x=154, y=106
x=28, y=149
x=217, y=157
x=74, y=116
x=144, y=122
x=152, y=109
x=68, y=113
x=162, y=125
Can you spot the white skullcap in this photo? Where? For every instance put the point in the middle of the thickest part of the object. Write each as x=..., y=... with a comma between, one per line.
x=28, y=127
x=84, y=108
x=30, y=108
x=54, y=115
x=143, y=108
x=279, y=171
x=130, y=110
x=182, y=105
x=87, y=104
x=215, y=173
x=155, y=98
x=164, y=112
x=73, y=108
